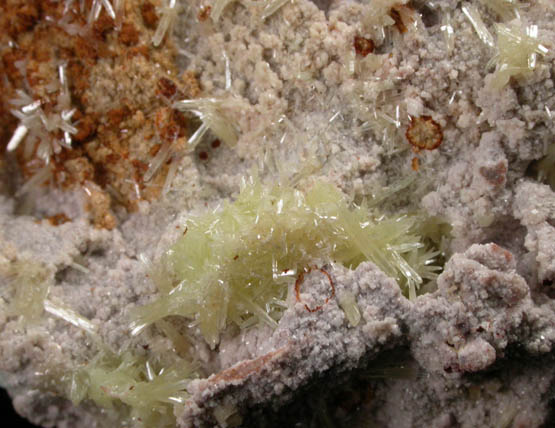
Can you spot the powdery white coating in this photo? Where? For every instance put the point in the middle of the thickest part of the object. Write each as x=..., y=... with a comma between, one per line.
x=306, y=343
x=516, y=399
x=481, y=290
x=475, y=191
x=535, y=208
x=476, y=355
x=482, y=306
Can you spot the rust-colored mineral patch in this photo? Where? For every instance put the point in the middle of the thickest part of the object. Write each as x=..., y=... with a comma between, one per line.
x=403, y=16
x=363, y=46
x=204, y=13
x=148, y=13
x=128, y=35
x=57, y=219
x=495, y=175
x=166, y=87
x=424, y=133
x=117, y=82
x=415, y=164
x=244, y=369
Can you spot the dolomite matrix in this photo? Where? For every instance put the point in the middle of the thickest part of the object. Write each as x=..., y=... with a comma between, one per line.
x=211, y=209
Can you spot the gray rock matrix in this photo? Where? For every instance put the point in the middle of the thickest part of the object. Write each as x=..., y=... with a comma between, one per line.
x=480, y=347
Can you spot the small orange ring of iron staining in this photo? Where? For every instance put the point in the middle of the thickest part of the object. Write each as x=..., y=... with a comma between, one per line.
x=424, y=133
x=300, y=280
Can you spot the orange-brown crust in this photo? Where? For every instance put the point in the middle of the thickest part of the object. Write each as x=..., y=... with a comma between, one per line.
x=113, y=146
x=403, y=15
x=128, y=35
x=148, y=13
x=363, y=46
x=204, y=13
x=415, y=164
x=244, y=369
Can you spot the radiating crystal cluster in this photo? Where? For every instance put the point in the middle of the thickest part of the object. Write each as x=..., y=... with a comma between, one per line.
x=235, y=265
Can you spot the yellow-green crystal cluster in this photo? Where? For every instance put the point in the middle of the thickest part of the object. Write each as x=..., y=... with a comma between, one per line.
x=517, y=52
x=29, y=281
x=235, y=265
x=135, y=388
